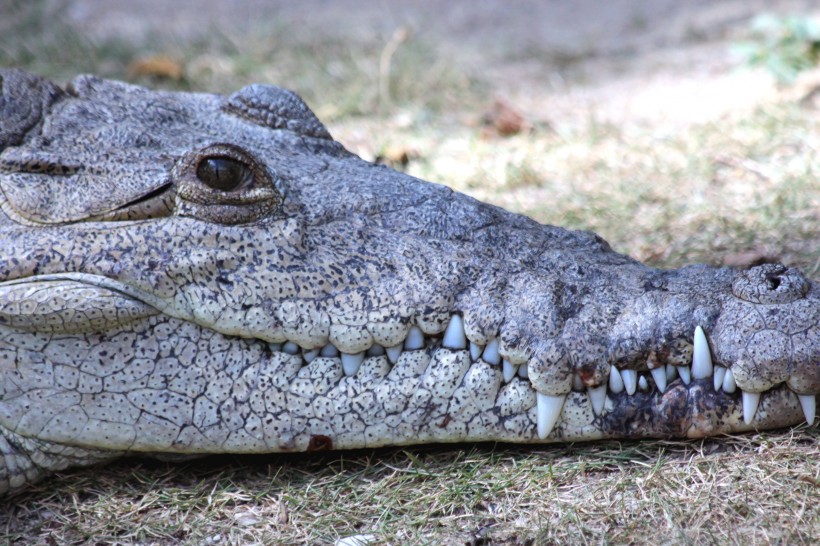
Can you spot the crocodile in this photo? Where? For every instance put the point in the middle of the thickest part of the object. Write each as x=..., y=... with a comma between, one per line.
x=188, y=273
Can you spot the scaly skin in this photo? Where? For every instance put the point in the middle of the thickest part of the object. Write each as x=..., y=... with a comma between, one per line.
x=179, y=273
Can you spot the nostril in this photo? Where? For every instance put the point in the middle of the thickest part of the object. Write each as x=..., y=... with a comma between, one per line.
x=770, y=283
x=774, y=282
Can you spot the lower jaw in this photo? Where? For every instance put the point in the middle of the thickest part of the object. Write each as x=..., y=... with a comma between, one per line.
x=280, y=402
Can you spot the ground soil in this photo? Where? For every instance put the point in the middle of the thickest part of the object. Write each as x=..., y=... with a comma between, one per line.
x=659, y=62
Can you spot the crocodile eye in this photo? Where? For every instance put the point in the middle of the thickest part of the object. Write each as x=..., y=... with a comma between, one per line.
x=223, y=173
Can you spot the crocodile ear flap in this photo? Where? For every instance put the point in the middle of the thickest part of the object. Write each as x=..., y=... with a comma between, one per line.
x=23, y=99
x=277, y=108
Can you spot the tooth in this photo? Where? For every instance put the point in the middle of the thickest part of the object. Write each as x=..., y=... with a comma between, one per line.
x=454, y=337
x=310, y=355
x=616, y=382
x=685, y=374
x=750, y=402
x=524, y=371
x=729, y=385
x=275, y=347
x=642, y=384
x=701, y=356
x=630, y=378
x=720, y=373
x=415, y=339
x=809, y=404
x=508, y=370
x=659, y=375
x=475, y=351
x=491, y=355
x=578, y=384
x=375, y=350
x=671, y=373
x=351, y=362
x=597, y=397
x=394, y=352
x=549, y=410
x=291, y=348
x=329, y=350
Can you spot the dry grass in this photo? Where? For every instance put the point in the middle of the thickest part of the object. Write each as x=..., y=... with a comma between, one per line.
x=706, y=193
x=755, y=489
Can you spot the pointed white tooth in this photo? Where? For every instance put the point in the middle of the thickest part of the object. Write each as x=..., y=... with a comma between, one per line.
x=597, y=397
x=642, y=384
x=671, y=373
x=394, y=352
x=329, y=351
x=454, y=337
x=351, y=362
x=309, y=356
x=616, y=382
x=729, y=385
x=720, y=373
x=701, y=356
x=491, y=355
x=659, y=375
x=375, y=350
x=275, y=347
x=809, y=403
x=750, y=402
x=508, y=370
x=524, y=371
x=548, y=412
x=630, y=378
x=475, y=351
x=578, y=384
x=291, y=348
x=415, y=339
x=685, y=374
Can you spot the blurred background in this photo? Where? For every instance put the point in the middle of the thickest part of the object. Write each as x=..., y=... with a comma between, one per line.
x=679, y=130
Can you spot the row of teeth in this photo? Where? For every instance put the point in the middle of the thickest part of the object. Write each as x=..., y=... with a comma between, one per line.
x=549, y=407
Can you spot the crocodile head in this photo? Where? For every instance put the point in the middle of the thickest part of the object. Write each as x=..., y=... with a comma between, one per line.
x=191, y=273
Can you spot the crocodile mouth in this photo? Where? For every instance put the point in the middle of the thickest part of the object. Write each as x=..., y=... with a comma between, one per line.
x=638, y=399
